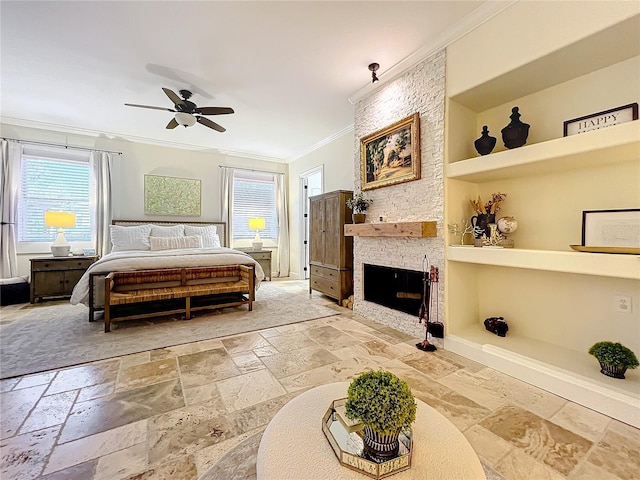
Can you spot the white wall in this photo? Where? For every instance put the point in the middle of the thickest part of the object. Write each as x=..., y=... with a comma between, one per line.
x=336, y=159
x=138, y=159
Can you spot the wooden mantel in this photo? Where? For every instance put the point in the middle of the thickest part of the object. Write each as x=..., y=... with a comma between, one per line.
x=391, y=229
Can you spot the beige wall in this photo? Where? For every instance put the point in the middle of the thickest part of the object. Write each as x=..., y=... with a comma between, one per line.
x=138, y=159
x=336, y=158
x=524, y=32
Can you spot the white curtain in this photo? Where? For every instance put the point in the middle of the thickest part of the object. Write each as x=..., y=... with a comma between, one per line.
x=100, y=163
x=282, y=254
x=11, y=153
x=226, y=200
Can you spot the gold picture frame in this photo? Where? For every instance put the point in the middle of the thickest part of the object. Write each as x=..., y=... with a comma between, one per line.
x=391, y=155
x=172, y=196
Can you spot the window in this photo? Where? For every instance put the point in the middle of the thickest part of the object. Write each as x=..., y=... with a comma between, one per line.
x=254, y=195
x=53, y=179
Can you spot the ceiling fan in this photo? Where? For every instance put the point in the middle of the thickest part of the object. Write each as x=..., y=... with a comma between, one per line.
x=188, y=113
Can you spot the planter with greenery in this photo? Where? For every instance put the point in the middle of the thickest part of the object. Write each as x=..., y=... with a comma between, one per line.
x=385, y=405
x=359, y=204
x=614, y=358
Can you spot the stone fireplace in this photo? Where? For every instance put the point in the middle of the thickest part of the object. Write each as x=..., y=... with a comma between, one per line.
x=422, y=90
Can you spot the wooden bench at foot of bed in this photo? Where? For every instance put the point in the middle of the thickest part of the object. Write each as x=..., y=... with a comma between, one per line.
x=167, y=291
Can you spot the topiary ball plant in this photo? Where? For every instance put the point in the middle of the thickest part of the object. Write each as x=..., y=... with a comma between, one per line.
x=614, y=358
x=381, y=401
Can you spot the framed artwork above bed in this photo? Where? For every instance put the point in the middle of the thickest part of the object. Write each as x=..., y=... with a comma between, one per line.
x=172, y=196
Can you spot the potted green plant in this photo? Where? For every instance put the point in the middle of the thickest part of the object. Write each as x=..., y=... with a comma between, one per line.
x=614, y=358
x=385, y=406
x=359, y=203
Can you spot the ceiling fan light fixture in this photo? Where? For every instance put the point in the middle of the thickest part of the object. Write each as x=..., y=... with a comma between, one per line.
x=185, y=119
x=188, y=113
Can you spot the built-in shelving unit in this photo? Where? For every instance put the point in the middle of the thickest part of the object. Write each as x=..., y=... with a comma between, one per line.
x=391, y=229
x=557, y=302
x=605, y=265
x=598, y=148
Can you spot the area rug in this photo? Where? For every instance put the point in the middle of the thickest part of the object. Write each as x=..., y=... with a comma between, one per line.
x=57, y=336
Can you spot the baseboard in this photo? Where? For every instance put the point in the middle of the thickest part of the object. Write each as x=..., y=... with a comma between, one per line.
x=596, y=395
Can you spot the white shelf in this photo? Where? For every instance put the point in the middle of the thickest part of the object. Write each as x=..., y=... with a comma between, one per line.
x=599, y=264
x=620, y=143
x=562, y=371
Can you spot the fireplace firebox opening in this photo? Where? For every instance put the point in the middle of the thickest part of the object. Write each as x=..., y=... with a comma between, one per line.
x=394, y=288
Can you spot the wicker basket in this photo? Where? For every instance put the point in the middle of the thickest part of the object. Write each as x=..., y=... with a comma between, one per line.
x=614, y=371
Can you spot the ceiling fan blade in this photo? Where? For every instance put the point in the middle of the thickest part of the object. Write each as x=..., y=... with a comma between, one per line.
x=149, y=106
x=208, y=123
x=214, y=110
x=173, y=96
x=172, y=124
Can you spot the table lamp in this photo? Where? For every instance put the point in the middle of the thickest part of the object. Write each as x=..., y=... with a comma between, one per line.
x=257, y=224
x=59, y=220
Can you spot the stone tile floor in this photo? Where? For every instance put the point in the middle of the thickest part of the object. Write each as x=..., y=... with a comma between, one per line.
x=177, y=413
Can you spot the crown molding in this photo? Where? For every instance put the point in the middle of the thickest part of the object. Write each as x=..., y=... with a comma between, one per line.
x=480, y=15
x=53, y=127
x=321, y=143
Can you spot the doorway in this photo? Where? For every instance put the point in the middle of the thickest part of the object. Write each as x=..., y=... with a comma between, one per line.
x=310, y=184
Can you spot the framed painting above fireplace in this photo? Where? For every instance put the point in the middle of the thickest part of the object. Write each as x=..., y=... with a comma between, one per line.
x=391, y=155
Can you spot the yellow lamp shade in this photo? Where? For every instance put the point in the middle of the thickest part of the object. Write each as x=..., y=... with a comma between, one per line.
x=60, y=219
x=257, y=223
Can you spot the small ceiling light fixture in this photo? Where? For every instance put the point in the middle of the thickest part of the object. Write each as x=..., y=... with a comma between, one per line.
x=185, y=119
x=374, y=67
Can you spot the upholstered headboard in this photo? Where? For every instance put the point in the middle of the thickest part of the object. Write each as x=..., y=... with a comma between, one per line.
x=221, y=226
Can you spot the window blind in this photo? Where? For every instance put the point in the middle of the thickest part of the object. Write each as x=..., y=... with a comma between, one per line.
x=53, y=184
x=254, y=199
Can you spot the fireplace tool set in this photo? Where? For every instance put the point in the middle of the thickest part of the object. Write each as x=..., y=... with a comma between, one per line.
x=430, y=281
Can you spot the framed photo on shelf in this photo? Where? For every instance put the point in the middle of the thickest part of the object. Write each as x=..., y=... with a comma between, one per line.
x=611, y=228
x=391, y=155
x=599, y=120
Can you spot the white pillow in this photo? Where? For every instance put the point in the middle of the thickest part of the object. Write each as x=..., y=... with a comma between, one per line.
x=208, y=233
x=170, y=243
x=163, y=231
x=130, y=238
x=209, y=241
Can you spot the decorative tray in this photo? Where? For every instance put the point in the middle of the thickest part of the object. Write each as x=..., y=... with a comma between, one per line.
x=345, y=439
x=627, y=250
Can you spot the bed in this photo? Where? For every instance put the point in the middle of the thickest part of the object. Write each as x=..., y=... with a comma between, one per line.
x=144, y=245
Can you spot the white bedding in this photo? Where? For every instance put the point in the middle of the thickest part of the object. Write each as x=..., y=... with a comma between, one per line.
x=143, y=260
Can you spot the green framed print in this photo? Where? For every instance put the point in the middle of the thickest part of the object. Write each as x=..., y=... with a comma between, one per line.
x=172, y=196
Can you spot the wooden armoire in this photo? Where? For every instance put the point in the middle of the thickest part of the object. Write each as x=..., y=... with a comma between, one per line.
x=330, y=252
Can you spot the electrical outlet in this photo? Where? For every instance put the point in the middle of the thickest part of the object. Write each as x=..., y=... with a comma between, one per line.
x=623, y=303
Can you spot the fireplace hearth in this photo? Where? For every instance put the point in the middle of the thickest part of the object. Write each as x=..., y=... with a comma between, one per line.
x=394, y=288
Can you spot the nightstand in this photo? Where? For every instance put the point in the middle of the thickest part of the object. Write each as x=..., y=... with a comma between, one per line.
x=56, y=276
x=263, y=257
